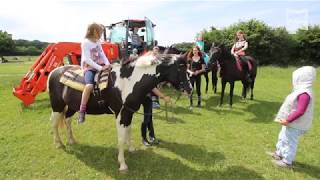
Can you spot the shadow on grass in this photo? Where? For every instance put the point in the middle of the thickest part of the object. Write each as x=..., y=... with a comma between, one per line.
x=193, y=153
x=170, y=119
x=38, y=105
x=263, y=111
x=313, y=171
x=173, y=113
x=214, y=100
x=212, y=104
x=146, y=164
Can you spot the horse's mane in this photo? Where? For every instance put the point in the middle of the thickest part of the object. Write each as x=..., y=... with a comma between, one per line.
x=145, y=60
x=225, y=51
x=149, y=59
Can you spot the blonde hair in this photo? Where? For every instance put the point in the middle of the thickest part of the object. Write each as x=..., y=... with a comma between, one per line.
x=240, y=32
x=94, y=32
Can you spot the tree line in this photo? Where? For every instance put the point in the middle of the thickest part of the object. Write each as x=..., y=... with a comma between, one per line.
x=268, y=45
x=20, y=47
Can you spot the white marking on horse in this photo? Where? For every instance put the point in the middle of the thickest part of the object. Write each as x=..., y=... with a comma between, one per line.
x=142, y=66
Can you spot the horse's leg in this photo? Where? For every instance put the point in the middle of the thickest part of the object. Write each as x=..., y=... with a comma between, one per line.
x=129, y=140
x=122, y=133
x=207, y=80
x=244, y=89
x=214, y=81
x=123, y=116
x=252, y=86
x=223, y=85
x=231, y=92
x=71, y=139
x=56, y=119
x=214, y=78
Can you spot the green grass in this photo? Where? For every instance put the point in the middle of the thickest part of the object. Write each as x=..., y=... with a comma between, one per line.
x=206, y=143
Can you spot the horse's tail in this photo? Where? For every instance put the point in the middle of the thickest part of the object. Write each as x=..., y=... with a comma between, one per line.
x=63, y=122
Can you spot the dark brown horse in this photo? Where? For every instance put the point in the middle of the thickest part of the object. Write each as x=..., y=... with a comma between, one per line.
x=230, y=73
x=213, y=68
x=128, y=85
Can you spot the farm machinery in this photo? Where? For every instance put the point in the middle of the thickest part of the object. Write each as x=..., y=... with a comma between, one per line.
x=116, y=45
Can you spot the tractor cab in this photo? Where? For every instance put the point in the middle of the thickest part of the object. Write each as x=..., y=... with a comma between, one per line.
x=120, y=33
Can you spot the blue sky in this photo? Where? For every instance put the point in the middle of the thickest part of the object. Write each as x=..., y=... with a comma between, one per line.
x=176, y=20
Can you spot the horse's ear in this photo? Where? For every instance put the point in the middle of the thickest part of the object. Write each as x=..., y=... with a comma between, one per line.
x=184, y=55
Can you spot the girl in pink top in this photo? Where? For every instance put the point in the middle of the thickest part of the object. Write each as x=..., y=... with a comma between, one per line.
x=93, y=59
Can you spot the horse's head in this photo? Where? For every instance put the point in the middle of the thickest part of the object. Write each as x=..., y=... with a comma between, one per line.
x=173, y=68
x=215, y=52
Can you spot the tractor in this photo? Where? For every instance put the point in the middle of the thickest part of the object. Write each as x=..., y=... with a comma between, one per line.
x=116, y=45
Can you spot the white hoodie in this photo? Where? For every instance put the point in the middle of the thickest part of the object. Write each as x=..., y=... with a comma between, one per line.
x=302, y=80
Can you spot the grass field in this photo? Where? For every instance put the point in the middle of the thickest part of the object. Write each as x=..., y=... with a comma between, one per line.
x=207, y=143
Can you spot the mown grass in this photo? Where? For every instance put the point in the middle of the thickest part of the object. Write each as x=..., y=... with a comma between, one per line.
x=207, y=143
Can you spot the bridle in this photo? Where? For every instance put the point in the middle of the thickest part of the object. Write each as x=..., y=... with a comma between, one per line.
x=179, y=94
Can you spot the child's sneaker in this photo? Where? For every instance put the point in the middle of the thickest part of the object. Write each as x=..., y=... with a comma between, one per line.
x=82, y=117
x=274, y=155
x=280, y=163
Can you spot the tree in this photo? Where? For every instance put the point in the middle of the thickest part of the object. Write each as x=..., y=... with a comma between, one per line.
x=6, y=43
x=266, y=44
x=184, y=46
x=309, y=45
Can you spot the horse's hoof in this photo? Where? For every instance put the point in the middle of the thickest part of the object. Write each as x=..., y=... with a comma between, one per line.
x=123, y=169
x=72, y=142
x=60, y=146
x=132, y=149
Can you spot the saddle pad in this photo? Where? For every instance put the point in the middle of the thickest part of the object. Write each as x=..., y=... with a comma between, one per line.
x=74, y=78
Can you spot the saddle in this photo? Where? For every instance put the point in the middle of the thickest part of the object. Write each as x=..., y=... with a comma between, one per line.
x=74, y=78
x=243, y=62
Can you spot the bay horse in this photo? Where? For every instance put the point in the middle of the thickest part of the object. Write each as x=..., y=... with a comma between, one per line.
x=229, y=71
x=127, y=87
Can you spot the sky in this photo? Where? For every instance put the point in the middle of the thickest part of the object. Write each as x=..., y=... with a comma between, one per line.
x=176, y=20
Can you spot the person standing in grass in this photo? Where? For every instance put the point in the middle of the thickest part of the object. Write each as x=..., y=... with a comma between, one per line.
x=147, y=123
x=196, y=66
x=295, y=116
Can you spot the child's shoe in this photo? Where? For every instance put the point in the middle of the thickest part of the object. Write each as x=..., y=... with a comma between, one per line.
x=82, y=117
x=280, y=163
x=274, y=155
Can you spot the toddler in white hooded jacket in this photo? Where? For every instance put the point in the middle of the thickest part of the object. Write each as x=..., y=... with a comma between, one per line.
x=295, y=115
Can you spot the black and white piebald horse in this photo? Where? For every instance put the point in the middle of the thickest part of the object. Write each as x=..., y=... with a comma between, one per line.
x=230, y=73
x=128, y=85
